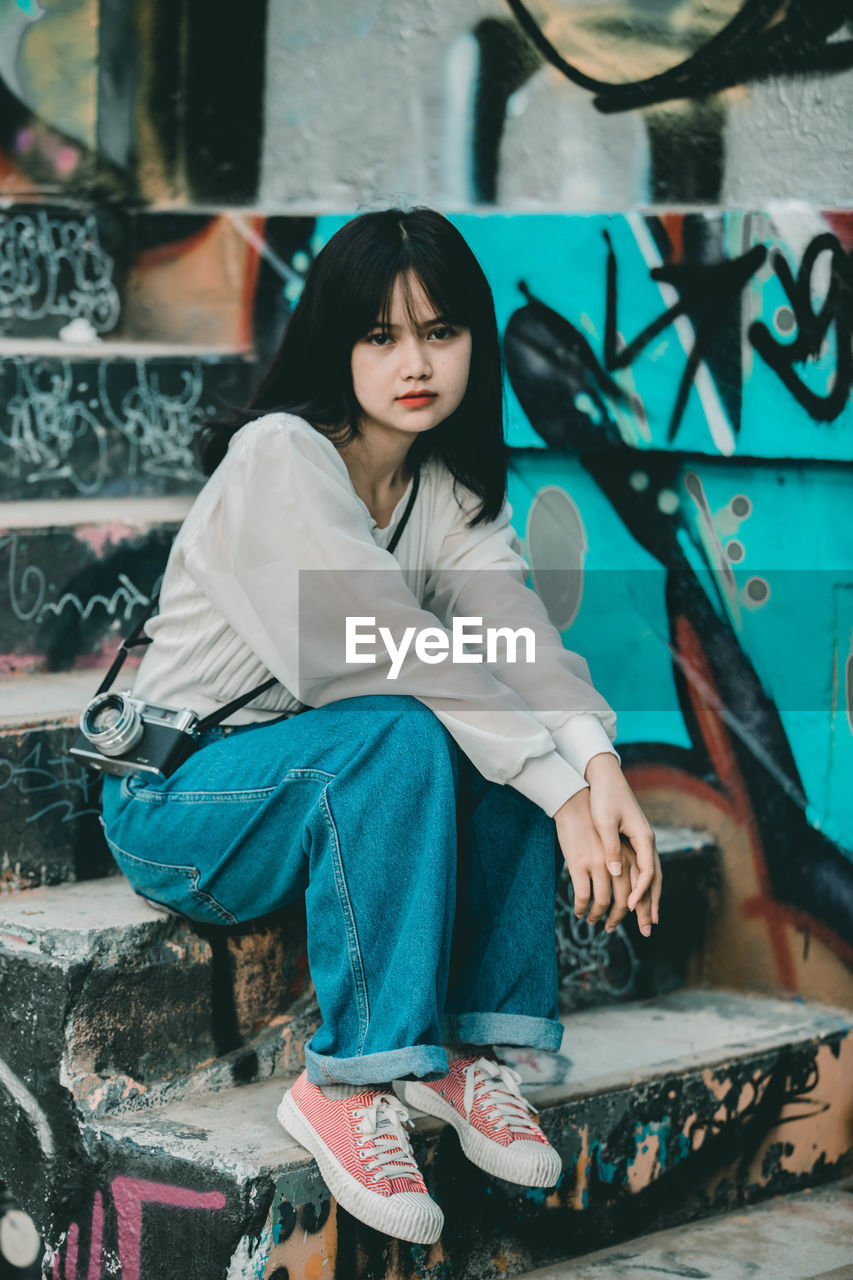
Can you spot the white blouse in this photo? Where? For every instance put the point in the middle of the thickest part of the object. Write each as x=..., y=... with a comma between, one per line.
x=278, y=550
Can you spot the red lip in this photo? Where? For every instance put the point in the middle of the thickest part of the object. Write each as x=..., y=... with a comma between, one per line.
x=419, y=395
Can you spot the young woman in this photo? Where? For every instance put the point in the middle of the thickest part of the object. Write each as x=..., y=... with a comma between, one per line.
x=409, y=788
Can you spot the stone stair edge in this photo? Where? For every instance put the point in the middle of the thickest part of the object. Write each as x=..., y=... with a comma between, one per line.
x=118, y=348
x=218, y=1114
x=59, y=898
x=41, y=699
x=38, y=515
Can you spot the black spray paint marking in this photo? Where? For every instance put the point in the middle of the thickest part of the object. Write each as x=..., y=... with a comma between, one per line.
x=750, y=46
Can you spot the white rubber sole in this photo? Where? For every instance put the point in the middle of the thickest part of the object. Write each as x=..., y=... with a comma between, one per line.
x=530, y=1164
x=408, y=1215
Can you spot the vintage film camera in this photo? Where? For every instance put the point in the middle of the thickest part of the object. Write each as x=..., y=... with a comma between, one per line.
x=125, y=736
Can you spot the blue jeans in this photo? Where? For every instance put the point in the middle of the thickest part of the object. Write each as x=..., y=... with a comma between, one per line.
x=429, y=891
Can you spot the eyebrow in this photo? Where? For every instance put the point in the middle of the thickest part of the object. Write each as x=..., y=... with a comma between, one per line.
x=427, y=324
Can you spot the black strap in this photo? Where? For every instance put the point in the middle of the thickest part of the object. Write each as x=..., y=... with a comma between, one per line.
x=215, y=717
x=398, y=532
x=130, y=643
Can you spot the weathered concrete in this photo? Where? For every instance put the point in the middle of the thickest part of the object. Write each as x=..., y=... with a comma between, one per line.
x=669, y=1112
x=151, y=1006
x=807, y=1235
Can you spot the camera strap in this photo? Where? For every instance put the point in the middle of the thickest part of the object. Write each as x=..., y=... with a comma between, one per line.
x=135, y=639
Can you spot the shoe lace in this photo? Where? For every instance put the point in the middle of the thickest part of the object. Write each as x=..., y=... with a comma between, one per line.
x=382, y=1123
x=495, y=1086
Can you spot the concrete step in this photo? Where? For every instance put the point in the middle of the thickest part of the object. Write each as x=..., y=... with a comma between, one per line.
x=664, y=1111
x=152, y=1006
x=807, y=1235
x=108, y=418
x=75, y=573
x=127, y=1005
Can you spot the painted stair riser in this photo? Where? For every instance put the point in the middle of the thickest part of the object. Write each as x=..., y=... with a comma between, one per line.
x=109, y=425
x=68, y=594
x=636, y=1158
x=64, y=264
x=181, y=277
x=49, y=807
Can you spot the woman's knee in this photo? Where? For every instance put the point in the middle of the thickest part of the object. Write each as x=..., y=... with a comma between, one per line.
x=403, y=716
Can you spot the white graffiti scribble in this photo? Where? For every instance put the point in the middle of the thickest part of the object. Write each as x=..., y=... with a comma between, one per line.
x=55, y=266
x=34, y=584
x=58, y=780
x=30, y=1107
x=591, y=963
x=57, y=430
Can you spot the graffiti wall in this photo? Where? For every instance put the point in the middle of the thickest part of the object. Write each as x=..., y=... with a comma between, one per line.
x=678, y=403
x=574, y=104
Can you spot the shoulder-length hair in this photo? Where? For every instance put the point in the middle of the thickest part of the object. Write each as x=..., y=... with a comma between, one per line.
x=347, y=291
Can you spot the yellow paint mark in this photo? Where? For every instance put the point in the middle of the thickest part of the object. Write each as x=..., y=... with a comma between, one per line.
x=313, y=1267
x=645, y=1166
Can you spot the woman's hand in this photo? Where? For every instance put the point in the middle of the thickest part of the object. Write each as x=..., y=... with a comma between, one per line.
x=589, y=828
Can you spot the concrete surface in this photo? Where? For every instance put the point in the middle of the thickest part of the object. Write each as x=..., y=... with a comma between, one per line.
x=804, y=1236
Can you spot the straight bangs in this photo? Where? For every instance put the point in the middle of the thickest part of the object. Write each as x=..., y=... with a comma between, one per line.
x=411, y=259
x=347, y=293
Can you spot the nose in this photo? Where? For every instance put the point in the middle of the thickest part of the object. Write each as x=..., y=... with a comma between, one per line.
x=415, y=357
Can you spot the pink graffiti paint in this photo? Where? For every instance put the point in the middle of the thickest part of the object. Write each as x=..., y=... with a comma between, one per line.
x=97, y=1238
x=66, y=161
x=99, y=536
x=70, y=1268
x=71, y=1252
x=130, y=1194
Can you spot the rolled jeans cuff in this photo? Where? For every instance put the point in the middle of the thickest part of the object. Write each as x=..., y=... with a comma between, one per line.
x=502, y=1028
x=426, y=1061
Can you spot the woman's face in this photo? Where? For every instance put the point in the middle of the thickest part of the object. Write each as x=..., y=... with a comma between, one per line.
x=411, y=375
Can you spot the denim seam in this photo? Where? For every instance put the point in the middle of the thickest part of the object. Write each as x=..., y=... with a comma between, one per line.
x=355, y=958
x=223, y=797
x=190, y=872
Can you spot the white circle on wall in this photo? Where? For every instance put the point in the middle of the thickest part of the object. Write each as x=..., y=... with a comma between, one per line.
x=20, y=1243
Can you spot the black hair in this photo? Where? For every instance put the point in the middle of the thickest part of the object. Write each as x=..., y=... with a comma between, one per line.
x=348, y=289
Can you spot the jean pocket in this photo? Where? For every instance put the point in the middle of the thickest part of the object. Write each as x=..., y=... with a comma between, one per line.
x=175, y=887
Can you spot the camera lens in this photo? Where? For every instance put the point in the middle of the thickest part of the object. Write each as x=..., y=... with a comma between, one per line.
x=112, y=723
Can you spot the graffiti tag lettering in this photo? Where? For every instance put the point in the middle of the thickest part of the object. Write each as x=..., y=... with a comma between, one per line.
x=707, y=290
x=59, y=429
x=44, y=776
x=33, y=583
x=55, y=267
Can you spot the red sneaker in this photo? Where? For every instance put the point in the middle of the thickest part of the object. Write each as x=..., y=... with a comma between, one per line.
x=497, y=1129
x=364, y=1154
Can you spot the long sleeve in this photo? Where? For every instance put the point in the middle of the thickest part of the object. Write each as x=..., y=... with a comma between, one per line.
x=283, y=549
x=481, y=573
